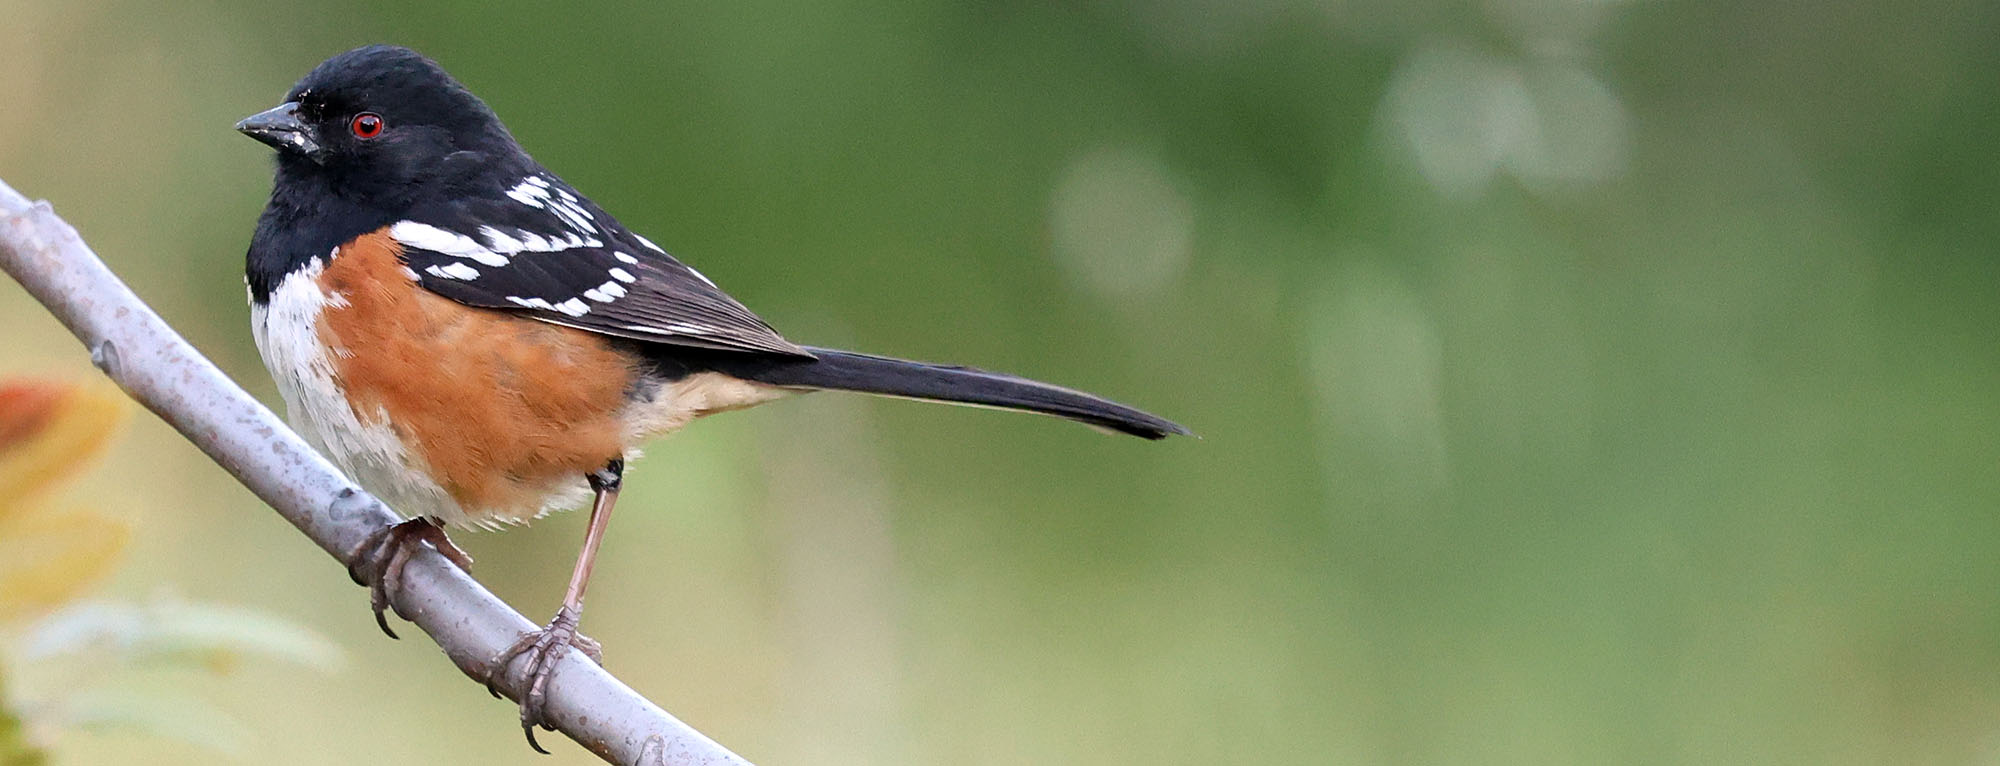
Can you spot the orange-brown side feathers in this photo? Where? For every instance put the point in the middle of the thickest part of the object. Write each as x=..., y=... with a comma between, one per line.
x=503, y=410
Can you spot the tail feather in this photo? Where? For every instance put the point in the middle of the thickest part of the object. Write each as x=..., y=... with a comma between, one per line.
x=848, y=371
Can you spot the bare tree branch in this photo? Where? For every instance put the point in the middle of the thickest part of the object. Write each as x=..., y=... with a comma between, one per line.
x=131, y=344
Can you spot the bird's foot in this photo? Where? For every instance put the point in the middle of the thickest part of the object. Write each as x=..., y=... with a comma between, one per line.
x=544, y=649
x=379, y=560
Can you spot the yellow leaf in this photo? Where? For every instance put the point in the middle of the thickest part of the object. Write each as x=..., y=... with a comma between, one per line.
x=50, y=431
x=48, y=556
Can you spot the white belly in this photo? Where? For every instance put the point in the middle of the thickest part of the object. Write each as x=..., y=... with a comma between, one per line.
x=374, y=456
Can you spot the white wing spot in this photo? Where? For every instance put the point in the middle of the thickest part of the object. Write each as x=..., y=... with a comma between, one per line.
x=531, y=191
x=630, y=259
x=648, y=243
x=452, y=271
x=423, y=236
x=605, y=293
x=675, y=328
x=572, y=307
x=533, y=303
x=501, y=242
x=572, y=214
x=622, y=275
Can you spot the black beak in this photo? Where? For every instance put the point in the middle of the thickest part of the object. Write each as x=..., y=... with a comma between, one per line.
x=281, y=128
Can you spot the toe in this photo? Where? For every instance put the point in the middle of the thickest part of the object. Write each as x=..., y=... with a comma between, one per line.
x=496, y=667
x=590, y=648
x=451, y=551
x=366, y=557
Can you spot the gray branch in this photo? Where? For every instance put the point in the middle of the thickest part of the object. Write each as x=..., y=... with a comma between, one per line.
x=136, y=348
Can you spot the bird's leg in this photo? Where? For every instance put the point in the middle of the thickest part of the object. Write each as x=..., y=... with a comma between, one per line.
x=545, y=648
x=379, y=560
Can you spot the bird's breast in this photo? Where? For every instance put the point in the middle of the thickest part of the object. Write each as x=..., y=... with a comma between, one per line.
x=470, y=415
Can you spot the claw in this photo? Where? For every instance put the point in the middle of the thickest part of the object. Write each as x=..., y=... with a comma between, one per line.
x=544, y=649
x=379, y=560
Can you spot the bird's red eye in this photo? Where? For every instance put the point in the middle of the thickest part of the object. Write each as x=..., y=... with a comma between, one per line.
x=366, y=125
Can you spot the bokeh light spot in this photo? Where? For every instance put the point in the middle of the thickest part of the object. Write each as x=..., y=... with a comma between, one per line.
x=1121, y=225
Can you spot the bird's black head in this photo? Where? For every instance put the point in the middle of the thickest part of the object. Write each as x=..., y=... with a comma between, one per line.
x=376, y=123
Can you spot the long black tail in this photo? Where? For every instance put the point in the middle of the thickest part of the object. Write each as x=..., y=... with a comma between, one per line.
x=848, y=371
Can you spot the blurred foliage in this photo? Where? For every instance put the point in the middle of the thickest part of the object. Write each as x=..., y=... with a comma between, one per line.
x=123, y=666
x=1580, y=381
x=50, y=433
x=49, y=552
x=15, y=749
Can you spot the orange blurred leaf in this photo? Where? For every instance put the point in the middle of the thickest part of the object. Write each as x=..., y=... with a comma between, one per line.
x=50, y=431
x=24, y=407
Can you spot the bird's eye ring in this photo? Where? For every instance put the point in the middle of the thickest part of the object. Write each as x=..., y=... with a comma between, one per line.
x=366, y=125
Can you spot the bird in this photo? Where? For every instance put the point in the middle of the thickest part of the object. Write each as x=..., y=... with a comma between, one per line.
x=476, y=343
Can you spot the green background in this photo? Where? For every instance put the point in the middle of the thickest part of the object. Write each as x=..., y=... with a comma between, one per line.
x=1579, y=381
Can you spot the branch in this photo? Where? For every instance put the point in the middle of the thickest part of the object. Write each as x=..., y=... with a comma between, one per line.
x=136, y=348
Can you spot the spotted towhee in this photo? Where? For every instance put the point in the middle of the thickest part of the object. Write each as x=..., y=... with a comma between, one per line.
x=477, y=343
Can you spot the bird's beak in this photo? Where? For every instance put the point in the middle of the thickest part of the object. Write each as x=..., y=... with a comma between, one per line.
x=282, y=129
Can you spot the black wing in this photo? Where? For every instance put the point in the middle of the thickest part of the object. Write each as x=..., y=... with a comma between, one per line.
x=539, y=248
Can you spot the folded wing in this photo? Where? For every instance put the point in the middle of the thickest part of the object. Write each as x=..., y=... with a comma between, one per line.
x=541, y=249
